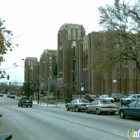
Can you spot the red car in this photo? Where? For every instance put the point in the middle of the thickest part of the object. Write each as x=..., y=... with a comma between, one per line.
x=91, y=97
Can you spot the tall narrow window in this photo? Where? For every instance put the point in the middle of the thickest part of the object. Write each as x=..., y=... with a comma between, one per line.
x=124, y=73
x=74, y=33
x=118, y=73
x=69, y=34
x=29, y=62
x=79, y=34
x=50, y=60
x=50, y=70
x=134, y=73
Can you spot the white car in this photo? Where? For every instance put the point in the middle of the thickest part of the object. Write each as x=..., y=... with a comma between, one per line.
x=129, y=99
x=106, y=97
x=102, y=106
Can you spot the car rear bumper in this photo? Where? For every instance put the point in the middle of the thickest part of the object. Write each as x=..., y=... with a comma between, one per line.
x=26, y=104
x=12, y=96
x=82, y=107
x=109, y=110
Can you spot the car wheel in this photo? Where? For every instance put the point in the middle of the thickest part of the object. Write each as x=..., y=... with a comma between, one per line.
x=97, y=111
x=122, y=115
x=67, y=108
x=77, y=109
x=18, y=105
x=21, y=105
x=27, y=105
x=30, y=105
x=87, y=111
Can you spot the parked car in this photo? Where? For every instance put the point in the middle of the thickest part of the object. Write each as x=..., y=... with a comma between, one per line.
x=12, y=95
x=77, y=104
x=117, y=96
x=106, y=97
x=91, y=97
x=102, y=106
x=1, y=95
x=25, y=101
x=131, y=110
x=129, y=99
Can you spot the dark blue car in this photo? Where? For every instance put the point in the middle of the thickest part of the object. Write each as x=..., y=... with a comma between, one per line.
x=131, y=110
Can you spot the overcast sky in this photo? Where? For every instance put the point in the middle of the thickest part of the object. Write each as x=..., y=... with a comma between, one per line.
x=35, y=24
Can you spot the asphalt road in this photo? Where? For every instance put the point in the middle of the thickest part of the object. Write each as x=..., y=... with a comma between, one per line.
x=50, y=123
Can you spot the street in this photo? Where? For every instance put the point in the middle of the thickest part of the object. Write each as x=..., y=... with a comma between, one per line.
x=50, y=123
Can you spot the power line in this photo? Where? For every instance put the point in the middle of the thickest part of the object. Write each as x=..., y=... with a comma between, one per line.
x=7, y=68
x=11, y=67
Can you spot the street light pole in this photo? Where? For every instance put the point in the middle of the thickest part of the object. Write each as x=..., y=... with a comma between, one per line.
x=38, y=93
x=38, y=84
x=48, y=91
x=15, y=72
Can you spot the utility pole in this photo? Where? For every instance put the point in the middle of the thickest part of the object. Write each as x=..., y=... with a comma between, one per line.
x=15, y=73
x=48, y=91
x=38, y=84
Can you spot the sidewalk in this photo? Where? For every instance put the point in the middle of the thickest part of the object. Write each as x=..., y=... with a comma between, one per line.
x=59, y=105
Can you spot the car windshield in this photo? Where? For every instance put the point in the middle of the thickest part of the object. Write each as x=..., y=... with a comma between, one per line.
x=105, y=102
x=105, y=96
x=119, y=94
x=129, y=96
x=25, y=98
x=92, y=95
x=83, y=101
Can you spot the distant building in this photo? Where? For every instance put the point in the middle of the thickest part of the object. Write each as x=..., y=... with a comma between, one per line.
x=48, y=62
x=31, y=72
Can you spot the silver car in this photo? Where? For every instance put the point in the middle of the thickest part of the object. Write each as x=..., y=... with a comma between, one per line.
x=129, y=99
x=106, y=97
x=77, y=104
x=102, y=106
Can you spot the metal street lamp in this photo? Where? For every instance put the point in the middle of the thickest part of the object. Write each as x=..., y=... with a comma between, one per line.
x=15, y=72
x=48, y=91
x=37, y=81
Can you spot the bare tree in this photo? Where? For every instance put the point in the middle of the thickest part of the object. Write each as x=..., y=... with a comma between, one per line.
x=120, y=40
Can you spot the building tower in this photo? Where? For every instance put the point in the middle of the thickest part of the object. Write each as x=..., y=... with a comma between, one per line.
x=68, y=35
